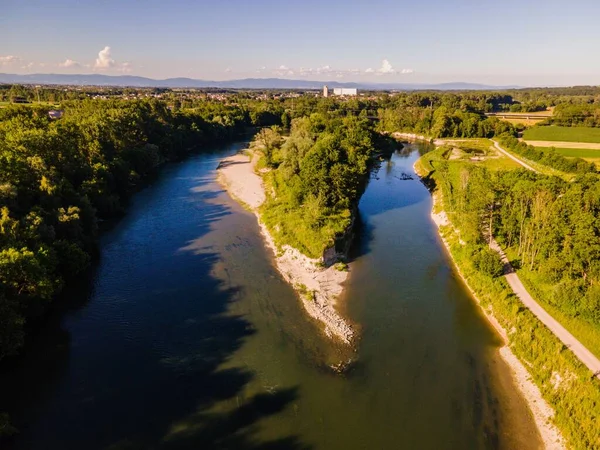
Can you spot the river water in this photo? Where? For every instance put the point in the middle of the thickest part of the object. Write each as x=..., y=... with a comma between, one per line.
x=185, y=336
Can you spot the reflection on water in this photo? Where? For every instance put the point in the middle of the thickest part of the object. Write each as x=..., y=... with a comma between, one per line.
x=187, y=337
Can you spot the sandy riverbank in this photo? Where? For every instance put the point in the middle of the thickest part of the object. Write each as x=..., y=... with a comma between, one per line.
x=318, y=288
x=542, y=412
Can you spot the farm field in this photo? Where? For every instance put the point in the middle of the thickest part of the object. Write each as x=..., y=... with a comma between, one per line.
x=564, y=134
x=586, y=153
x=566, y=145
x=521, y=121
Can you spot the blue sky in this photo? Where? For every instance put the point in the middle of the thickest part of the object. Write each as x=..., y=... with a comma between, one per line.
x=526, y=42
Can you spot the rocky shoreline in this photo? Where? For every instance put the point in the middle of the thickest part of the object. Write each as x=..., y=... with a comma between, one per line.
x=317, y=287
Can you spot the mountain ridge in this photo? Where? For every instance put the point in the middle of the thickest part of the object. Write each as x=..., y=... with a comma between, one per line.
x=244, y=83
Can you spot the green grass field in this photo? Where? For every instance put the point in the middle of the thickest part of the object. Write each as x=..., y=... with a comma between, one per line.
x=585, y=153
x=565, y=134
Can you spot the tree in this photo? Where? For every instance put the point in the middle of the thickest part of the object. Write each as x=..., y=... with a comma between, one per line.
x=270, y=139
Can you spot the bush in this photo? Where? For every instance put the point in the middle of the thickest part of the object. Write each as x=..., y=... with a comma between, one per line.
x=488, y=261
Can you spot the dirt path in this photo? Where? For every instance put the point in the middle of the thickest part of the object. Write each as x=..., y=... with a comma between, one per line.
x=580, y=351
x=514, y=158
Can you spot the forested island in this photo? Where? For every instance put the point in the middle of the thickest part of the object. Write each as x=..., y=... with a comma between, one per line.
x=60, y=178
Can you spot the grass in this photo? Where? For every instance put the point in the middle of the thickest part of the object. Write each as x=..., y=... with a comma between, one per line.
x=565, y=134
x=586, y=332
x=576, y=401
x=471, y=145
x=585, y=153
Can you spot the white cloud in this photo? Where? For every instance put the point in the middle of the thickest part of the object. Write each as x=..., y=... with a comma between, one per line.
x=125, y=67
x=27, y=66
x=282, y=71
x=386, y=67
x=9, y=59
x=330, y=72
x=228, y=70
x=104, y=60
x=69, y=63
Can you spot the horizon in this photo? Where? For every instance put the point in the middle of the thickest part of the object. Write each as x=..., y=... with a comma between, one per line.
x=377, y=85
x=545, y=44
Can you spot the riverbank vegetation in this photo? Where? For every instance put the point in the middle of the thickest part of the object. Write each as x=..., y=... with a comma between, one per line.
x=314, y=180
x=549, y=226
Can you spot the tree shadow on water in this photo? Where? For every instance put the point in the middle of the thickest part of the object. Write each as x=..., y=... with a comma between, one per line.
x=149, y=362
x=180, y=406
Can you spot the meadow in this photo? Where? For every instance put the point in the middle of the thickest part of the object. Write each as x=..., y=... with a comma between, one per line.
x=589, y=154
x=566, y=134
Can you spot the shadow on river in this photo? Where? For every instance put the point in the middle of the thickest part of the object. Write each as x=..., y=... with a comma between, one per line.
x=134, y=355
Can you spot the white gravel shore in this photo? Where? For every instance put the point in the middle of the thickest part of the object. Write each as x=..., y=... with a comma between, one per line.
x=318, y=288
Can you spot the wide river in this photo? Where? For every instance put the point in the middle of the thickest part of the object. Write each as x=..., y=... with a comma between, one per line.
x=185, y=336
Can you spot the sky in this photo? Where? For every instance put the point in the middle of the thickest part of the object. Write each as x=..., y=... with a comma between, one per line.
x=508, y=42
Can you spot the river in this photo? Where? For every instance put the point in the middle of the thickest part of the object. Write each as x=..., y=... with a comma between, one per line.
x=185, y=336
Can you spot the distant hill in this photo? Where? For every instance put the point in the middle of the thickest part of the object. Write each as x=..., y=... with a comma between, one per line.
x=246, y=83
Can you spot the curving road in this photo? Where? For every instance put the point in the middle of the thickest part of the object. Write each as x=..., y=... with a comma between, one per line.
x=570, y=341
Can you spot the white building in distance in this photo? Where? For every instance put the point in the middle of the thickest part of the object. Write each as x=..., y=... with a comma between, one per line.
x=349, y=92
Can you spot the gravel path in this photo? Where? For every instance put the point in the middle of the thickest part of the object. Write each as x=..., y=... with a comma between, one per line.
x=514, y=158
x=580, y=351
